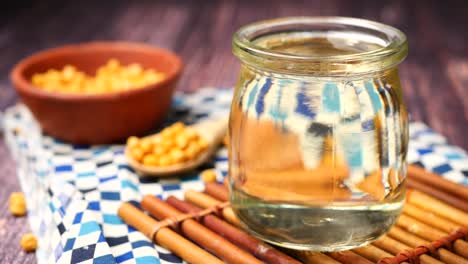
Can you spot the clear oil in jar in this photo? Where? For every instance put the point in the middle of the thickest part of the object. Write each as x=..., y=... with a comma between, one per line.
x=317, y=163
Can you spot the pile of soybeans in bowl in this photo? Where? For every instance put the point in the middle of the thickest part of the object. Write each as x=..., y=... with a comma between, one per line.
x=110, y=77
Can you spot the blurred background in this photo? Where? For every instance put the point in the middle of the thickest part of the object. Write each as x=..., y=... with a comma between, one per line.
x=434, y=76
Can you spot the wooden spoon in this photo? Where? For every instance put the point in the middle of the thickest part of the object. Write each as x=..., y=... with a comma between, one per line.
x=213, y=131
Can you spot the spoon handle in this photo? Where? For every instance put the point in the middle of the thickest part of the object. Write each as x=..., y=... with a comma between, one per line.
x=212, y=130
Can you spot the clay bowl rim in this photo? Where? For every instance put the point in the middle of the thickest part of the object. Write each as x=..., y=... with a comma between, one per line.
x=22, y=84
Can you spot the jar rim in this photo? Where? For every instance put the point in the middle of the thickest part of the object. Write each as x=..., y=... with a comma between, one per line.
x=388, y=55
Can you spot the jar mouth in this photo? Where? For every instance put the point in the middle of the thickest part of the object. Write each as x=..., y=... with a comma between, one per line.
x=361, y=46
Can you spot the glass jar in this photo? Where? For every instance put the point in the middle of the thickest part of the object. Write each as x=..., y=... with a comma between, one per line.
x=318, y=131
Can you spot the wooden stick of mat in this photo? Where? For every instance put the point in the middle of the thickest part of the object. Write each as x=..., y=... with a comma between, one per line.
x=198, y=233
x=418, y=228
x=429, y=233
x=461, y=247
x=405, y=237
x=437, y=207
x=310, y=257
x=238, y=237
x=372, y=253
x=434, y=248
x=415, y=241
x=437, y=182
x=430, y=218
x=206, y=201
x=436, y=193
x=394, y=247
x=165, y=236
x=218, y=191
x=348, y=257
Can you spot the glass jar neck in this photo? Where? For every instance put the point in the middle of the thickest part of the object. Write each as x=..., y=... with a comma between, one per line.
x=320, y=46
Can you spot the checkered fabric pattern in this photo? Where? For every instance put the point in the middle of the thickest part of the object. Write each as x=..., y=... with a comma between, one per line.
x=73, y=192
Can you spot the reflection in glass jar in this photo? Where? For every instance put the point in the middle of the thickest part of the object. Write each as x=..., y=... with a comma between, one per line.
x=316, y=162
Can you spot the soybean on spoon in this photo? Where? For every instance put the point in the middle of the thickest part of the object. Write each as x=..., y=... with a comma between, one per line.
x=211, y=130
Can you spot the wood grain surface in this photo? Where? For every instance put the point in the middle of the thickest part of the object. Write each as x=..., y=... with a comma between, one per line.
x=434, y=76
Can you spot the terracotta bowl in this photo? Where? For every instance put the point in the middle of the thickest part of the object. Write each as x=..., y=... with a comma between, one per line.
x=101, y=118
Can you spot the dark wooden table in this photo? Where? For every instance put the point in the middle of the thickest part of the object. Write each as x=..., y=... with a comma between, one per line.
x=434, y=76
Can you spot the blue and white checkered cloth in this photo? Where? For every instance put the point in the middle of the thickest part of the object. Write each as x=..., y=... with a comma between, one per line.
x=73, y=192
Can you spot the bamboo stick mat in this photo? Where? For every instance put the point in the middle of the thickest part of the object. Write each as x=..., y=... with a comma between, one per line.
x=428, y=231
